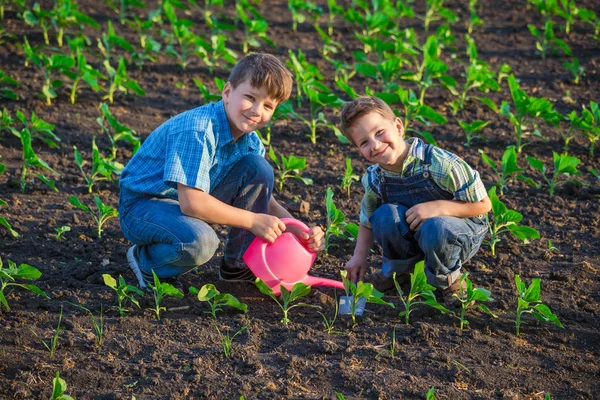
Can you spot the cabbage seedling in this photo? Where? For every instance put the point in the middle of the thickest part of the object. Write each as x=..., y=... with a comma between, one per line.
x=97, y=323
x=529, y=301
x=361, y=290
x=227, y=339
x=506, y=220
x=53, y=342
x=5, y=92
x=289, y=167
x=9, y=275
x=216, y=299
x=420, y=293
x=576, y=71
x=336, y=224
x=124, y=292
x=119, y=80
x=509, y=167
x=469, y=297
x=31, y=160
x=160, y=290
x=102, y=169
x=563, y=165
x=348, y=177
x=591, y=125
x=105, y=212
x=60, y=232
x=299, y=7
x=547, y=41
x=115, y=131
x=430, y=394
x=59, y=387
x=471, y=129
x=298, y=291
x=255, y=26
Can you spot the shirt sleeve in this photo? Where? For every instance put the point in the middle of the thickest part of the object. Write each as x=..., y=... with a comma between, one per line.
x=368, y=204
x=188, y=159
x=460, y=179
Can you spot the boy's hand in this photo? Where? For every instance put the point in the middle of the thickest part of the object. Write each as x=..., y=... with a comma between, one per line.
x=417, y=214
x=356, y=268
x=313, y=240
x=267, y=227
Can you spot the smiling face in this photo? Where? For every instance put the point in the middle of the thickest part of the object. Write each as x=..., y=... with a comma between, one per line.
x=380, y=140
x=247, y=108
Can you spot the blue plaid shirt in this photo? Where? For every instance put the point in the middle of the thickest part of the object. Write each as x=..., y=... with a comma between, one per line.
x=194, y=148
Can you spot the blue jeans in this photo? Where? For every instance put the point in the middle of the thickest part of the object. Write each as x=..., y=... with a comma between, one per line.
x=171, y=243
x=445, y=243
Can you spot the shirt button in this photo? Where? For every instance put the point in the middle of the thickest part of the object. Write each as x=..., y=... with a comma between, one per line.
x=425, y=174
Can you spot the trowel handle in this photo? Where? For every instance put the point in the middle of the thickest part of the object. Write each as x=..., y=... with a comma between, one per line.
x=295, y=222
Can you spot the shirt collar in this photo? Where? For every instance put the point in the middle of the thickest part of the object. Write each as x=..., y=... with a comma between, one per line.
x=223, y=128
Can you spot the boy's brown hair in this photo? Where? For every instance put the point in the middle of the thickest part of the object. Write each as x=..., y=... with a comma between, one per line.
x=263, y=70
x=361, y=106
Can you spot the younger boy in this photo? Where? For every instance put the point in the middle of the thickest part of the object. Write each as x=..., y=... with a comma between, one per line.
x=420, y=202
x=206, y=166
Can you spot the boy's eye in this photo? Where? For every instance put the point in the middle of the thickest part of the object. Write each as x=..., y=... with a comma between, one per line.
x=249, y=97
x=379, y=133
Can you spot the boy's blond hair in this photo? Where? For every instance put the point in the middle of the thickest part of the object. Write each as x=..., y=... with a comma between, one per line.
x=361, y=106
x=263, y=70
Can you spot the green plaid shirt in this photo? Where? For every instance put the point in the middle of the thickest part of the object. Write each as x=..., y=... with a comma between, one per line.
x=450, y=172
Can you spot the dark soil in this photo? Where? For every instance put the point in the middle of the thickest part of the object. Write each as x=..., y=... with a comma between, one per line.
x=180, y=356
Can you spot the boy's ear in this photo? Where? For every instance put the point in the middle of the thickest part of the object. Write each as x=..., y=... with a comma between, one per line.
x=399, y=126
x=226, y=91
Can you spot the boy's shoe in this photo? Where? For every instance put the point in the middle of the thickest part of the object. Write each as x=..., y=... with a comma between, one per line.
x=143, y=279
x=382, y=282
x=228, y=274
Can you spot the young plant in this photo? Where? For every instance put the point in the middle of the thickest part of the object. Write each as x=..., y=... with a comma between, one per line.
x=105, y=212
x=205, y=91
x=529, y=301
x=255, y=26
x=60, y=232
x=4, y=222
x=563, y=165
x=336, y=222
x=305, y=73
x=359, y=293
x=509, y=168
x=59, y=387
x=430, y=394
x=289, y=167
x=115, y=131
x=64, y=14
x=298, y=291
x=5, y=92
x=506, y=220
x=9, y=276
x=119, y=80
x=227, y=339
x=547, y=41
x=320, y=97
x=471, y=129
x=420, y=293
x=391, y=350
x=215, y=51
x=184, y=43
x=349, y=177
x=53, y=342
x=161, y=290
x=527, y=108
x=31, y=160
x=414, y=110
x=435, y=11
x=216, y=299
x=37, y=16
x=591, y=125
x=109, y=41
x=97, y=323
x=298, y=8
x=474, y=19
x=330, y=45
x=124, y=7
x=124, y=292
x=83, y=72
x=385, y=69
x=38, y=129
x=102, y=169
x=469, y=297
x=576, y=71
x=329, y=323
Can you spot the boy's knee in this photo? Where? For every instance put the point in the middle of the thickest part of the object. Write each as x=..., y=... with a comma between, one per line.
x=389, y=219
x=257, y=169
x=434, y=235
x=199, y=248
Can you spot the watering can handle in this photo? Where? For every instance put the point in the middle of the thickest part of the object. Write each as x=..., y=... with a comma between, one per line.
x=295, y=222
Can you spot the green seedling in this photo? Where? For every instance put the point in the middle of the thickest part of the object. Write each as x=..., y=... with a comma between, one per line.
x=570, y=132
x=119, y=80
x=330, y=322
x=430, y=394
x=56, y=64
x=60, y=232
x=37, y=16
x=591, y=125
x=7, y=123
x=526, y=110
x=298, y=291
x=529, y=301
x=509, y=168
x=336, y=222
x=9, y=276
x=124, y=292
x=414, y=110
x=391, y=350
x=470, y=297
x=124, y=7
x=161, y=290
x=320, y=97
x=83, y=72
x=564, y=165
x=102, y=169
x=385, y=69
x=65, y=14
x=305, y=73
x=59, y=387
x=150, y=48
x=115, y=131
x=215, y=52
x=5, y=92
x=97, y=323
x=349, y=177
x=216, y=299
x=205, y=91
x=184, y=42
x=330, y=45
x=546, y=41
x=576, y=71
x=420, y=293
x=38, y=129
x=474, y=19
x=109, y=41
x=105, y=212
x=568, y=10
x=31, y=161
x=227, y=339
x=591, y=18
x=51, y=344
x=471, y=129
x=300, y=9
x=436, y=11
x=361, y=293
x=506, y=220
x=289, y=167
x=595, y=173
x=334, y=10
x=373, y=19
x=255, y=27
x=6, y=224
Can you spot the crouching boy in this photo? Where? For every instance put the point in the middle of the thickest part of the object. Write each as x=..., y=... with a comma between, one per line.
x=420, y=202
x=207, y=166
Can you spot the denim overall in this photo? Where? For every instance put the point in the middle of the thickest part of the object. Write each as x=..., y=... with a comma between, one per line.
x=445, y=243
x=171, y=243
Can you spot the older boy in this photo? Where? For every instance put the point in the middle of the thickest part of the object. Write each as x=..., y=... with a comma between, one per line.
x=420, y=202
x=206, y=166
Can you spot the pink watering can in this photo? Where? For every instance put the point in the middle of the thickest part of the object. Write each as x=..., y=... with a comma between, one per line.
x=284, y=262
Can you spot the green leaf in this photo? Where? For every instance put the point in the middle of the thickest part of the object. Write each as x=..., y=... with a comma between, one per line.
x=27, y=272
x=170, y=290
x=264, y=288
x=524, y=233
x=34, y=289
x=75, y=201
x=299, y=290
x=532, y=294
x=544, y=311
x=207, y=292
x=109, y=281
